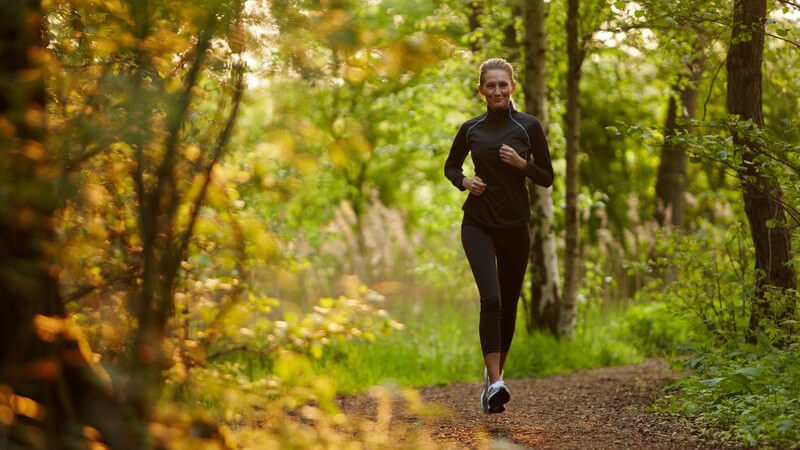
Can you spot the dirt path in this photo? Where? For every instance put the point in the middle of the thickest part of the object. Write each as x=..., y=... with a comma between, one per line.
x=598, y=408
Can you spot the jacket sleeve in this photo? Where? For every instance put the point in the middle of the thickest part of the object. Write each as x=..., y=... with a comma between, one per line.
x=458, y=152
x=539, y=169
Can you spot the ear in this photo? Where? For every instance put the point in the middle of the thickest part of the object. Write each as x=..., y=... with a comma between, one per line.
x=513, y=86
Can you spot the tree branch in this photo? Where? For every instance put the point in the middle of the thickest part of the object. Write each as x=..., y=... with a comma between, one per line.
x=165, y=170
x=790, y=3
x=711, y=87
x=217, y=153
x=795, y=43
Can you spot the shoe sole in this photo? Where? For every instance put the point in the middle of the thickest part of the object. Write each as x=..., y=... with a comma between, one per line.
x=498, y=400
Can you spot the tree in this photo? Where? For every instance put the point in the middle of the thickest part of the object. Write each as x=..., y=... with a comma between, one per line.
x=761, y=195
x=672, y=175
x=544, y=302
x=572, y=117
x=42, y=364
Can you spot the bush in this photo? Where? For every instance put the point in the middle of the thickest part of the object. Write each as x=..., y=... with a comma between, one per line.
x=750, y=394
x=653, y=328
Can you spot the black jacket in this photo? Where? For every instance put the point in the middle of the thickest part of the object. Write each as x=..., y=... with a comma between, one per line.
x=504, y=203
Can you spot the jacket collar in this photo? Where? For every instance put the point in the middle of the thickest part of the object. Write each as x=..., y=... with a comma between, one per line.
x=492, y=114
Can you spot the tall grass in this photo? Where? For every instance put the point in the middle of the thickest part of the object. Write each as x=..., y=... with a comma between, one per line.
x=440, y=345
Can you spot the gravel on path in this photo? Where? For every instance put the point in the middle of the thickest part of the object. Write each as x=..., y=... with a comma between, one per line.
x=594, y=408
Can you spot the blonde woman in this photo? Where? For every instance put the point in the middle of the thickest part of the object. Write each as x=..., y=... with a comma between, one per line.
x=507, y=146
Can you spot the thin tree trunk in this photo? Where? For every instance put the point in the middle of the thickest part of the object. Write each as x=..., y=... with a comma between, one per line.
x=475, y=10
x=511, y=46
x=772, y=245
x=543, y=307
x=572, y=116
x=672, y=181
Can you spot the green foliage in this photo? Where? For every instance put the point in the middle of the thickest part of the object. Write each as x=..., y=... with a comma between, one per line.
x=747, y=395
x=440, y=345
x=711, y=143
x=654, y=328
x=744, y=394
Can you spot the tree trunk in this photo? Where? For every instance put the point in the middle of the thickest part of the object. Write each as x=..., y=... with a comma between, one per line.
x=772, y=245
x=671, y=182
x=475, y=10
x=41, y=361
x=544, y=290
x=510, y=44
x=572, y=117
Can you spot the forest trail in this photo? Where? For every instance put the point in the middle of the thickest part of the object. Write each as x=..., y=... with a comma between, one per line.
x=595, y=408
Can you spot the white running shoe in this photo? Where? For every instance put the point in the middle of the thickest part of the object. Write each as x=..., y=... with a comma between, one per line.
x=498, y=395
x=485, y=400
x=485, y=396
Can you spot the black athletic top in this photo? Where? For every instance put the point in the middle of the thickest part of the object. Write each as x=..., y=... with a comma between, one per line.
x=504, y=203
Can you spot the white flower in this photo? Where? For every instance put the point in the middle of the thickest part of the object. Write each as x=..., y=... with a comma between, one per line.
x=375, y=297
x=247, y=332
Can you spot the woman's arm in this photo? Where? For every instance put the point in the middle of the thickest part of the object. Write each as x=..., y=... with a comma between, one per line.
x=539, y=169
x=458, y=152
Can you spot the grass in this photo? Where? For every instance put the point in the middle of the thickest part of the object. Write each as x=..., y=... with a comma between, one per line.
x=440, y=345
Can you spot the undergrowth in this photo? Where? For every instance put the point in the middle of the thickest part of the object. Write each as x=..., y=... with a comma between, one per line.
x=744, y=394
x=440, y=345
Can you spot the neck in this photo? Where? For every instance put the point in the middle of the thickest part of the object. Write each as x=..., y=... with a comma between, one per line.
x=500, y=111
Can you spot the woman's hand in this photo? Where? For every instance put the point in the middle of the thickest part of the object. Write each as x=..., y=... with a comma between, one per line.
x=510, y=156
x=475, y=185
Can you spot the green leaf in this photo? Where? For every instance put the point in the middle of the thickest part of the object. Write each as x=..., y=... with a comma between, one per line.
x=785, y=425
x=735, y=384
x=750, y=372
x=619, y=4
x=712, y=381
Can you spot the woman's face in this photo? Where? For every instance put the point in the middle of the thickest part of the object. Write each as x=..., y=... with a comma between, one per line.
x=497, y=88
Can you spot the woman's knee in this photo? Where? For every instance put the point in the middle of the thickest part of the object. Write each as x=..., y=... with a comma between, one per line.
x=491, y=305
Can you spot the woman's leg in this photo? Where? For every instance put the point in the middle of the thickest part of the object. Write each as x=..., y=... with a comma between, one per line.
x=513, y=250
x=480, y=250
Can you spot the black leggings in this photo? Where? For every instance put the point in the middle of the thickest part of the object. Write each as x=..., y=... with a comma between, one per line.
x=499, y=279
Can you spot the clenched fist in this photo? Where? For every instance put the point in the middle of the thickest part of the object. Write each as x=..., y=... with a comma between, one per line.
x=475, y=185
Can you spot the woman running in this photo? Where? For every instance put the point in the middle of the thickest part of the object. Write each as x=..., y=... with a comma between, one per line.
x=507, y=146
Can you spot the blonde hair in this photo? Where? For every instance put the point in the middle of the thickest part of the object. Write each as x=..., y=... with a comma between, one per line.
x=495, y=63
